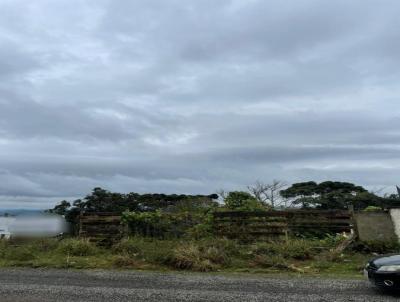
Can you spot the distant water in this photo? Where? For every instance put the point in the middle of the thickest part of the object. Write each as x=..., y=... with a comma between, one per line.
x=17, y=212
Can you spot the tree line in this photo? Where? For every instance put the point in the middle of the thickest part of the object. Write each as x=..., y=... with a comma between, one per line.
x=259, y=196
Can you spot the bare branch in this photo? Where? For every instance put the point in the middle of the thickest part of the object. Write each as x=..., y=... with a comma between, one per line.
x=221, y=193
x=268, y=193
x=378, y=191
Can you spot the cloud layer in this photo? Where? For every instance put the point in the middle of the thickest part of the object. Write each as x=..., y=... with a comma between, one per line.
x=193, y=96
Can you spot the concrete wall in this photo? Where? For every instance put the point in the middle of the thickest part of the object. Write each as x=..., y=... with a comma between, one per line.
x=375, y=226
x=395, y=214
x=4, y=226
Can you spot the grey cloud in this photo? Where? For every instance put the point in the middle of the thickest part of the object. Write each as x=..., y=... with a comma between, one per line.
x=14, y=61
x=26, y=118
x=172, y=96
x=63, y=121
x=316, y=45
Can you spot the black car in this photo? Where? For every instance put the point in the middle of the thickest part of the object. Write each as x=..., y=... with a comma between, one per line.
x=384, y=272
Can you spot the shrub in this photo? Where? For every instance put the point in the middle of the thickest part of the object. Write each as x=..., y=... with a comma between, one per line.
x=186, y=256
x=270, y=261
x=16, y=252
x=199, y=231
x=380, y=247
x=46, y=244
x=372, y=209
x=204, y=255
x=242, y=201
x=3, y=247
x=153, y=224
x=127, y=246
x=215, y=255
x=226, y=247
x=189, y=256
x=77, y=247
x=166, y=225
x=150, y=250
x=19, y=254
x=330, y=241
x=124, y=261
x=298, y=249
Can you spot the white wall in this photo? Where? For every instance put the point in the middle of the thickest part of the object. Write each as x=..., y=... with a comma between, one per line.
x=4, y=226
x=395, y=214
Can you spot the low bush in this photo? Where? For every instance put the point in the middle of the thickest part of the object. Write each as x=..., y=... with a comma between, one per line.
x=3, y=248
x=19, y=254
x=216, y=255
x=77, y=247
x=270, y=261
x=380, y=247
x=23, y=252
x=298, y=249
x=186, y=256
x=190, y=257
x=124, y=261
x=127, y=247
x=46, y=245
x=372, y=209
x=200, y=231
x=229, y=248
x=205, y=255
x=330, y=241
x=147, y=249
x=163, y=225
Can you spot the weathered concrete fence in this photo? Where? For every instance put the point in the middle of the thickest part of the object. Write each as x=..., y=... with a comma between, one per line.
x=369, y=226
x=266, y=224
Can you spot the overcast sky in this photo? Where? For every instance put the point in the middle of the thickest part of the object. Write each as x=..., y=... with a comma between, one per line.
x=193, y=96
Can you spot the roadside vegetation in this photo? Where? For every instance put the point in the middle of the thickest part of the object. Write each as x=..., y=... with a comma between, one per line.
x=177, y=232
x=298, y=256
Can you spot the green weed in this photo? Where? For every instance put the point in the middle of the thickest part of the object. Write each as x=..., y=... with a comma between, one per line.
x=77, y=247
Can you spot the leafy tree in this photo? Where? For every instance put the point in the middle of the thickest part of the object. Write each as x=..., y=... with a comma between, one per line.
x=193, y=205
x=242, y=201
x=301, y=192
x=100, y=200
x=60, y=209
x=327, y=187
x=330, y=195
x=303, y=189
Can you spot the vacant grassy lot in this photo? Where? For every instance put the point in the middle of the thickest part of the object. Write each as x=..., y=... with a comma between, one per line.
x=299, y=256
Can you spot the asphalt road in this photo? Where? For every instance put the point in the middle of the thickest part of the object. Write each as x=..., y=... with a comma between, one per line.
x=60, y=285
